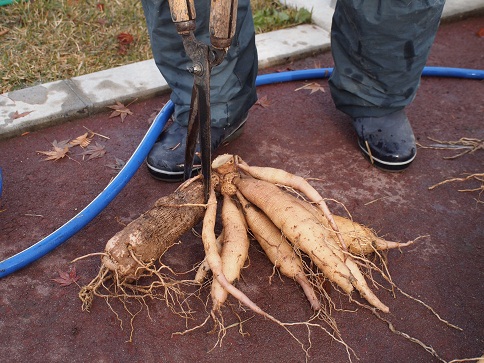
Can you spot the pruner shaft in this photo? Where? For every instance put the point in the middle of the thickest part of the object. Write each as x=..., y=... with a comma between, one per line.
x=204, y=57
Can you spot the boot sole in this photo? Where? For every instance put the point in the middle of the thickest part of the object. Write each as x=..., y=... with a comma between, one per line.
x=390, y=166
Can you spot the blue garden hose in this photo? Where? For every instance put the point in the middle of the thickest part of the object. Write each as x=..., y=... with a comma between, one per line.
x=78, y=222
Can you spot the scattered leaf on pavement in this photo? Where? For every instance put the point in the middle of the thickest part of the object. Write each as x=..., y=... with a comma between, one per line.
x=120, y=110
x=263, y=102
x=60, y=150
x=83, y=140
x=480, y=33
x=94, y=151
x=17, y=115
x=153, y=115
x=314, y=87
x=285, y=69
x=67, y=278
x=118, y=164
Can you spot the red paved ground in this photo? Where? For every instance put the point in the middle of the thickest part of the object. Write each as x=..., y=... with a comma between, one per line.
x=41, y=321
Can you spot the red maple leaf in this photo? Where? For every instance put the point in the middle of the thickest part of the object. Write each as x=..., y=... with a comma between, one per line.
x=125, y=38
x=66, y=278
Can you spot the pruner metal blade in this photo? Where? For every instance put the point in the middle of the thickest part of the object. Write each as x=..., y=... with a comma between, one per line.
x=199, y=120
x=199, y=125
x=192, y=133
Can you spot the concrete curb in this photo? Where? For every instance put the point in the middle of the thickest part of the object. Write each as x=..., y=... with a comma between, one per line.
x=55, y=102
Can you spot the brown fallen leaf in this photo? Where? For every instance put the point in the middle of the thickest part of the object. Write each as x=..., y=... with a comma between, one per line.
x=120, y=110
x=125, y=38
x=60, y=150
x=480, y=33
x=83, y=140
x=94, y=151
x=17, y=115
x=263, y=102
x=117, y=166
x=66, y=278
x=286, y=69
x=314, y=87
x=154, y=114
x=61, y=144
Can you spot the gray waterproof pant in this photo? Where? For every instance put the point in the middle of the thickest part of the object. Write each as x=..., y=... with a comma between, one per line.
x=232, y=83
x=379, y=48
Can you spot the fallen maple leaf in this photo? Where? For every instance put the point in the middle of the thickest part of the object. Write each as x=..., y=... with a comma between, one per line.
x=94, y=151
x=480, y=33
x=17, y=115
x=154, y=114
x=120, y=110
x=118, y=165
x=314, y=87
x=61, y=144
x=263, y=102
x=100, y=6
x=83, y=140
x=60, y=150
x=125, y=38
x=66, y=278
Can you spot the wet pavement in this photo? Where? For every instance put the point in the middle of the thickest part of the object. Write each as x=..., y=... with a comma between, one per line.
x=302, y=133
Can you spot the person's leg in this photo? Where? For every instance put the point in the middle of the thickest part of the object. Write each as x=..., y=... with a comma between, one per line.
x=232, y=83
x=380, y=49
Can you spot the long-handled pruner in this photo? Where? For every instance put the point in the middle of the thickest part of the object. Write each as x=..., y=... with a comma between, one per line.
x=223, y=15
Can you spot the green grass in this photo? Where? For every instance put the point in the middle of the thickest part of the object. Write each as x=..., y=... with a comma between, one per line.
x=49, y=40
x=271, y=15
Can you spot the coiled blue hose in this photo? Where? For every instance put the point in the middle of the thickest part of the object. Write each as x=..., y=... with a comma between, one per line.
x=75, y=224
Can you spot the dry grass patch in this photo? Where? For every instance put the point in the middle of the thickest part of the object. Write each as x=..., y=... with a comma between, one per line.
x=49, y=40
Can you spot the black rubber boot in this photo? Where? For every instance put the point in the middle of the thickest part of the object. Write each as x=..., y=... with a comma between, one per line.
x=167, y=157
x=387, y=141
